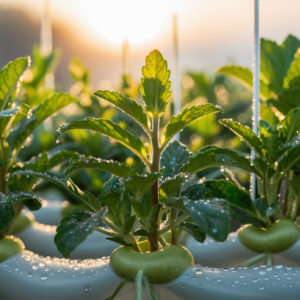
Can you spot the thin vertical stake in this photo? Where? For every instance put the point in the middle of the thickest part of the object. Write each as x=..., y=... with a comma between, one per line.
x=176, y=91
x=256, y=87
x=46, y=41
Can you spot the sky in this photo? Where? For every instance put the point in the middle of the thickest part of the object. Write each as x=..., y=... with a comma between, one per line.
x=211, y=32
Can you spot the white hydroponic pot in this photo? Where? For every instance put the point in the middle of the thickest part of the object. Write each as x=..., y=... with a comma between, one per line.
x=233, y=253
x=31, y=276
x=39, y=238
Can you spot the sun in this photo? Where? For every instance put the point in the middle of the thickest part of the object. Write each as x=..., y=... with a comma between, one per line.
x=136, y=20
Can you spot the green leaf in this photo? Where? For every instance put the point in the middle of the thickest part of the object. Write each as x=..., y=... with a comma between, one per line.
x=7, y=210
x=119, y=240
x=264, y=208
x=294, y=183
x=245, y=77
x=196, y=191
x=130, y=107
x=276, y=60
x=9, y=78
x=270, y=139
x=113, y=196
x=113, y=167
x=171, y=187
x=289, y=127
x=128, y=225
x=188, y=116
x=245, y=133
x=78, y=72
x=293, y=74
x=23, y=111
x=210, y=215
x=173, y=158
x=155, y=84
x=68, y=185
x=110, y=129
x=139, y=184
x=287, y=100
x=40, y=163
x=142, y=207
x=74, y=228
x=212, y=156
x=241, y=206
x=40, y=114
x=289, y=160
x=194, y=230
x=8, y=113
x=42, y=65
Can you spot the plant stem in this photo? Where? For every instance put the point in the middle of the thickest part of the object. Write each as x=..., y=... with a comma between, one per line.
x=162, y=241
x=117, y=290
x=139, y=285
x=18, y=208
x=106, y=232
x=270, y=259
x=153, y=238
x=147, y=287
x=254, y=259
x=153, y=292
x=173, y=224
x=174, y=237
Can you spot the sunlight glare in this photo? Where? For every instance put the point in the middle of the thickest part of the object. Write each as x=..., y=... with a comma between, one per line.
x=116, y=20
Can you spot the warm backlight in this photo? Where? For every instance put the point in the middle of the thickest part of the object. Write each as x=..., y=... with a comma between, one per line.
x=136, y=20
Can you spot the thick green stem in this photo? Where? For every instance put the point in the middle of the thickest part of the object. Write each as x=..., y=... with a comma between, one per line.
x=254, y=259
x=153, y=292
x=153, y=238
x=117, y=290
x=139, y=285
x=270, y=259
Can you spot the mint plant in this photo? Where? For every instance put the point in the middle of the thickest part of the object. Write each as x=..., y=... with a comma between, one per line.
x=17, y=122
x=278, y=159
x=138, y=206
x=279, y=84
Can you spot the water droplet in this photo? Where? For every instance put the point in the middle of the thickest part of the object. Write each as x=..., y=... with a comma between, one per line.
x=87, y=288
x=198, y=272
x=183, y=286
x=278, y=266
x=200, y=286
x=44, y=277
x=262, y=272
x=35, y=267
x=255, y=280
x=29, y=275
x=261, y=288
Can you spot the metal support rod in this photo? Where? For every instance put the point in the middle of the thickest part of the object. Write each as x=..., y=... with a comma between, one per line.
x=176, y=71
x=46, y=41
x=256, y=82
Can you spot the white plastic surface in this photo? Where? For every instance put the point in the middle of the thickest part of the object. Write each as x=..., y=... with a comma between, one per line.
x=41, y=278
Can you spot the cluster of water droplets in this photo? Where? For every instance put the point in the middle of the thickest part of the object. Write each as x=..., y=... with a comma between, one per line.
x=261, y=278
x=46, y=268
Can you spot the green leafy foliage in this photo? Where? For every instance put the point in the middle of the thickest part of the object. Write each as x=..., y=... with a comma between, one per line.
x=9, y=78
x=155, y=84
x=245, y=77
x=208, y=157
x=40, y=114
x=194, y=230
x=264, y=208
x=173, y=158
x=245, y=133
x=68, y=185
x=130, y=107
x=289, y=159
x=189, y=115
x=289, y=127
x=74, y=228
x=113, y=167
x=196, y=191
x=240, y=203
x=110, y=129
x=171, y=187
x=7, y=210
x=210, y=215
x=139, y=184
